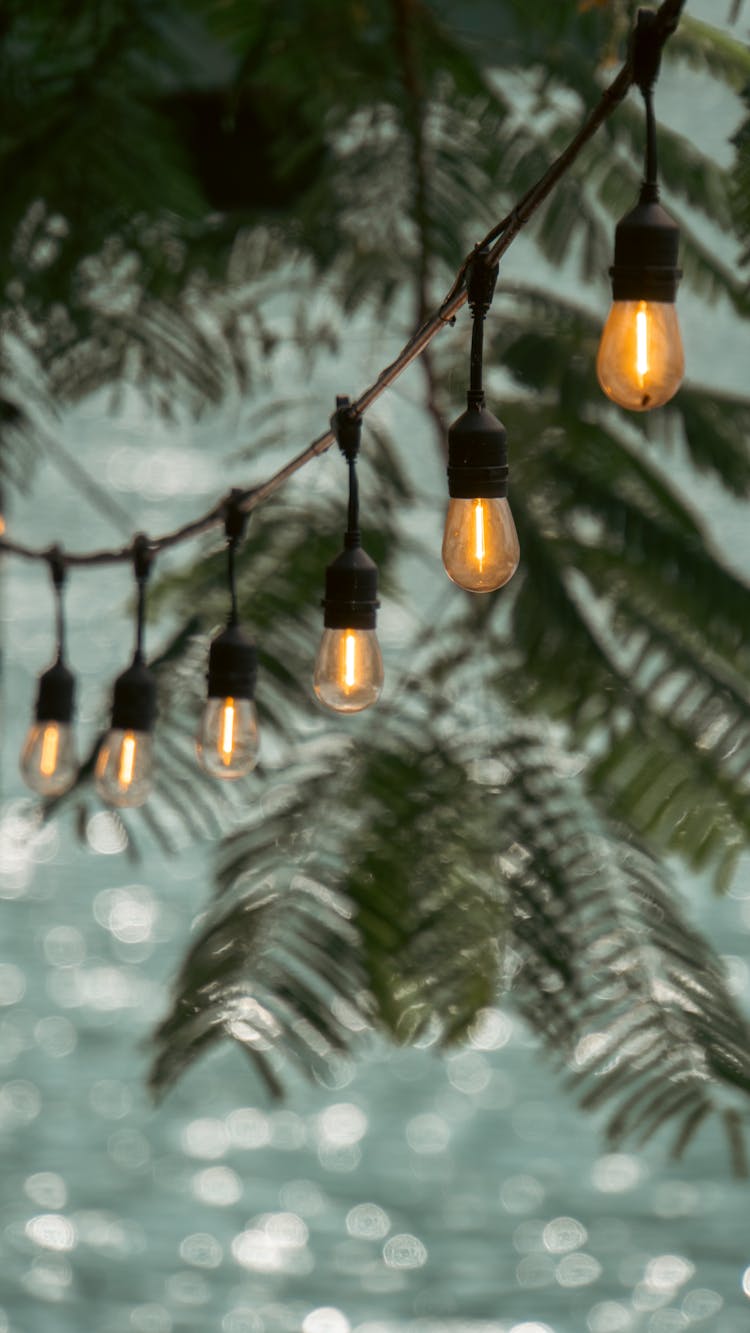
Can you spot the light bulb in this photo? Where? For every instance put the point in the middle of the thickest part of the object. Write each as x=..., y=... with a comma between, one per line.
x=227, y=740
x=48, y=759
x=641, y=363
x=480, y=543
x=124, y=767
x=348, y=669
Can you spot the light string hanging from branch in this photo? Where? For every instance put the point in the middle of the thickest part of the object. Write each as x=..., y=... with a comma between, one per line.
x=349, y=668
x=125, y=762
x=227, y=740
x=640, y=363
x=480, y=543
x=480, y=547
x=499, y=239
x=48, y=759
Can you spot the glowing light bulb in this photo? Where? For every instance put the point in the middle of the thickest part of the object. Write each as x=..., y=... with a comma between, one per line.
x=125, y=763
x=227, y=741
x=348, y=669
x=480, y=543
x=124, y=767
x=48, y=759
x=641, y=363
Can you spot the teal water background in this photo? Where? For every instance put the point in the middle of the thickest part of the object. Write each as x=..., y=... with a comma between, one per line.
x=458, y=1195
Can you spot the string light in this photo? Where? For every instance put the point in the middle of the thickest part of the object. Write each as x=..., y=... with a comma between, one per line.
x=480, y=543
x=48, y=759
x=640, y=363
x=349, y=668
x=124, y=764
x=227, y=740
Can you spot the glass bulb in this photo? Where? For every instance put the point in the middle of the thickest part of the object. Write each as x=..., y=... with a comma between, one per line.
x=227, y=740
x=641, y=363
x=480, y=544
x=348, y=669
x=48, y=758
x=124, y=767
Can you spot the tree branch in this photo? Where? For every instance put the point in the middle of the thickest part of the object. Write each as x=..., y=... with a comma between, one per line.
x=500, y=238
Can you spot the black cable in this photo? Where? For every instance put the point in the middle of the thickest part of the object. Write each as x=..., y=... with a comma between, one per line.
x=476, y=388
x=650, y=184
x=347, y=427
x=143, y=557
x=480, y=286
x=235, y=526
x=58, y=571
x=352, y=520
x=647, y=45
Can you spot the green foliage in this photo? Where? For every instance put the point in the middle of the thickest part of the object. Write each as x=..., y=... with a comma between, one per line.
x=388, y=888
x=740, y=192
x=175, y=168
x=295, y=937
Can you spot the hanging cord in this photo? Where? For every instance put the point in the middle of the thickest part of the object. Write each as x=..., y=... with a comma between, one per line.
x=480, y=287
x=500, y=237
x=143, y=558
x=235, y=526
x=346, y=424
x=58, y=572
x=647, y=44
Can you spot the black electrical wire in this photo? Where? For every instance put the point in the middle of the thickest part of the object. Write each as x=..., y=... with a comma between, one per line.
x=661, y=23
x=142, y=562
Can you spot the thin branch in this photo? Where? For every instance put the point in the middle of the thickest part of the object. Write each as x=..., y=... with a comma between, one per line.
x=500, y=238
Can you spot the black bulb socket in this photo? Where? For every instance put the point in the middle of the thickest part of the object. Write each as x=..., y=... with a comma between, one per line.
x=351, y=599
x=647, y=243
x=55, y=700
x=134, y=699
x=477, y=454
x=232, y=665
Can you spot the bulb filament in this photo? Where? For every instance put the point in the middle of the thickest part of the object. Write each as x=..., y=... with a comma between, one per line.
x=641, y=339
x=350, y=660
x=226, y=742
x=127, y=760
x=480, y=549
x=50, y=746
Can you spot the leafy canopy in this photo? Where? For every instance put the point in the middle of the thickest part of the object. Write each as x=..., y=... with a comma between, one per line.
x=500, y=827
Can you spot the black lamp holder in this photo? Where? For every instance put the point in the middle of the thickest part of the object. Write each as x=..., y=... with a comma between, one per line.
x=134, y=694
x=647, y=239
x=232, y=657
x=477, y=441
x=55, y=700
x=351, y=592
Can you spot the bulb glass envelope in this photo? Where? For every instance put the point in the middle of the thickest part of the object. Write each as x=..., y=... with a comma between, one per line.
x=640, y=363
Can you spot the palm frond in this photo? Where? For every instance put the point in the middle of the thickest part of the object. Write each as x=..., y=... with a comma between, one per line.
x=626, y=994
x=277, y=971
x=706, y=47
x=416, y=905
